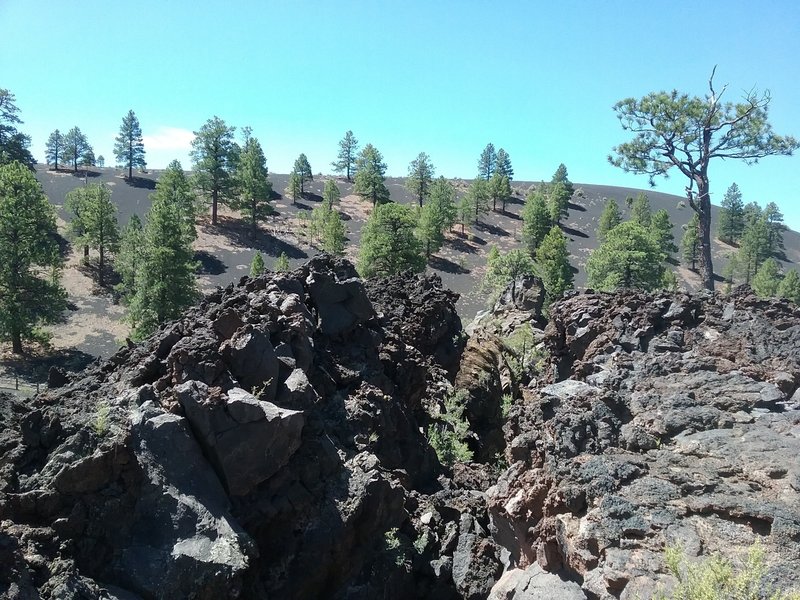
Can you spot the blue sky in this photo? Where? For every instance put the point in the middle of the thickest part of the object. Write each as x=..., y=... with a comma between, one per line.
x=536, y=78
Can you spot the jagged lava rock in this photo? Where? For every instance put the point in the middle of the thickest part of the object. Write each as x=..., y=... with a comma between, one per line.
x=667, y=419
x=260, y=446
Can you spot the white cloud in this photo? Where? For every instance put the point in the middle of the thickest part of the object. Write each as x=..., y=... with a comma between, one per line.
x=169, y=138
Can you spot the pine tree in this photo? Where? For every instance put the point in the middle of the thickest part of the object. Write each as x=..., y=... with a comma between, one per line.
x=558, y=201
x=552, y=264
x=790, y=287
x=257, y=265
x=14, y=145
x=174, y=187
x=443, y=193
x=129, y=257
x=640, y=210
x=76, y=148
x=561, y=176
x=97, y=219
x=690, y=243
x=437, y=216
x=502, y=269
x=101, y=161
x=503, y=165
x=129, y=144
x=730, y=271
x=754, y=248
x=535, y=221
x=477, y=197
x=346, y=159
x=420, y=176
x=388, y=243
x=629, y=257
x=775, y=227
x=303, y=170
x=499, y=189
x=27, y=247
x=731, y=216
x=334, y=233
x=165, y=281
x=331, y=194
x=370, y=176
x=767, y=279
x=661, y=229
x=282, y=263
x=253, y=188
x=487, y=163
x=610, y=218
x=293, y=188
x=54, y=148
x=214, y=155
x=463, y=213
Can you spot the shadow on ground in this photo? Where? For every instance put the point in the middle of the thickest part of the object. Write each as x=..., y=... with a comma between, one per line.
x=491, y=230
x=141, y=182
x=448, y=266
x=208, y=264
x=239, y=234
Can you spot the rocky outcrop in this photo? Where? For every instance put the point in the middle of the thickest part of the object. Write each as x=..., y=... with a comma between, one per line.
x=667, y=420
x=271, y=443
x=267, y=444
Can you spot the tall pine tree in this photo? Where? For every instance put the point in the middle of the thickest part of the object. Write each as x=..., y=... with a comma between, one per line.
x=370, y=176
x=253, y=188
x=731, y=216
x=174, y=187
x=27, y=247
x=552, y=264
x=165, y=281
x=487, y=163
x=303, y=170
x=54, y=149
x=214, y=156
x=346, y=159
x=97, y=219
x=535, y=221
x=609, y=218
x=129, y=144
x=420, y=177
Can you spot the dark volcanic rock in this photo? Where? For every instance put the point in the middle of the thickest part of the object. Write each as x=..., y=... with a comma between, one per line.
x=667, y=420
x=267, y=444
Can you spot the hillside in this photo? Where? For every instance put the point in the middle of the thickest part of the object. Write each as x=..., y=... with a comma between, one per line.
x=225, y=252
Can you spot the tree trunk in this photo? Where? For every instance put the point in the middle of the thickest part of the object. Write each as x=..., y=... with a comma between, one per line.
x=130, y=158
x=703, y=208
x=255, y=223
x=16, y=340
x=214, y=197
x=86, y=252
x=100, y=268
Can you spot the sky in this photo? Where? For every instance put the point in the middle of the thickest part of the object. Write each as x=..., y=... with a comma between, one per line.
x=444, y=77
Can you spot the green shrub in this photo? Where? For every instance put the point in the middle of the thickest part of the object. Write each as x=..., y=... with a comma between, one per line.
x=100, y=424
x=448, y=433
x=715, y=578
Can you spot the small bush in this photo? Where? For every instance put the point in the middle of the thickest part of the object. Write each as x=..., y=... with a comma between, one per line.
x=715, y=578
x=100, y=424
x=448, y=433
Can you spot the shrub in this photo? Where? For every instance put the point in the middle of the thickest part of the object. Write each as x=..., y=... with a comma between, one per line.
x=448, y=433
x=715, y=578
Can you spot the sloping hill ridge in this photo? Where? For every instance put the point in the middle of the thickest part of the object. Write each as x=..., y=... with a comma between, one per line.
x=226, y=251
x=269, y=444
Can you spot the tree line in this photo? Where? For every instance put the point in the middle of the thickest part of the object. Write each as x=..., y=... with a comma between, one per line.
x=396, y=237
